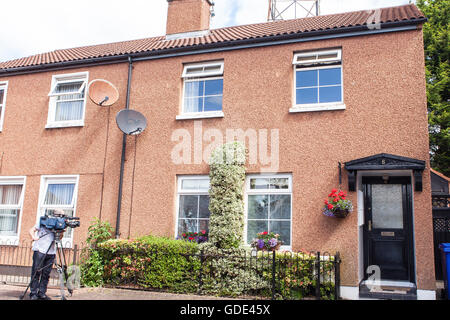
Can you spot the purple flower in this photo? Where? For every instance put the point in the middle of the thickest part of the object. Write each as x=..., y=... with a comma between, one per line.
x=273, y=242
x=260, y=243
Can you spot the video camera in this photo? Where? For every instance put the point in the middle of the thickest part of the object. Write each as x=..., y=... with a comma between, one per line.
x=58, y=222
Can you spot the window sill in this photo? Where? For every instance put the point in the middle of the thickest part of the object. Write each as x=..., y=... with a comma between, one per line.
x=51, y=125
x=200, y=115
x=317, y=107
x=282, y=248
x=9, y=241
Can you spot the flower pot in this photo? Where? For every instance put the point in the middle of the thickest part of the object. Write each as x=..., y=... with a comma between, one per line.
x=277, y=247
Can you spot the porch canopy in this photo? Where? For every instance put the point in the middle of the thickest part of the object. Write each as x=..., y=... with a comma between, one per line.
x=385, y=161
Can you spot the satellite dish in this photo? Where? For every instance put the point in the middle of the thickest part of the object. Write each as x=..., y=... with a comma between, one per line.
x=131, y=122
x=103, y=92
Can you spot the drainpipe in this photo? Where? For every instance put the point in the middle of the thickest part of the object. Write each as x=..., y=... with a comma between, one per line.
x=124, y=144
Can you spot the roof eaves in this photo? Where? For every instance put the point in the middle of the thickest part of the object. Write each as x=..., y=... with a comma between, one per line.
x=200, y=46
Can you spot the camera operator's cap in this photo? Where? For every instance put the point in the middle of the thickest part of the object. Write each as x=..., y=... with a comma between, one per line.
x=103, y=92
x=131, y=122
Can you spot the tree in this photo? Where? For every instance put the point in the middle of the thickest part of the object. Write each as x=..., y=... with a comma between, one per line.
x=436, y=36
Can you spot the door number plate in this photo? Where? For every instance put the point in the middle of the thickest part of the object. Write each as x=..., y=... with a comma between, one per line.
x=387, y=234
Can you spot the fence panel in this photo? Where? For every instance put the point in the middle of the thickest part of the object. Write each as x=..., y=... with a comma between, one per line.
x=16, y=260
x=441, y=228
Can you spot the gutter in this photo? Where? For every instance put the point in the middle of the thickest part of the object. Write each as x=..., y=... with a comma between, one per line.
x=124, y=145
x=362, y=30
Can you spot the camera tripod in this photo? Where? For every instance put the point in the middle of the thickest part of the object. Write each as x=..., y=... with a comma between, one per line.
x=61, y=268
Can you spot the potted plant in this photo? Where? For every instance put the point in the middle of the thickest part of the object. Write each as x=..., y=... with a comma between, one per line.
x=266, y=241
x=337, y=205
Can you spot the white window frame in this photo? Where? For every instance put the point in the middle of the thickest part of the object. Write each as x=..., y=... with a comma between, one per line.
x=316, y=64
x=58, y=179
x=203, y=73
x=4, y=86
x=64, y=79
x=316, y=60
x=200, y=76
x=14, y=180
x=249, y=191
x=181, y=191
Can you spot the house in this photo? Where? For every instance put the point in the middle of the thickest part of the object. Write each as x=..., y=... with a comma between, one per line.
x=319, y=101
x=439, y=183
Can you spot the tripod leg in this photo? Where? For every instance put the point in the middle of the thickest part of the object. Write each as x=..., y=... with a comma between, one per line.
x=60, y=269
x=64, y=268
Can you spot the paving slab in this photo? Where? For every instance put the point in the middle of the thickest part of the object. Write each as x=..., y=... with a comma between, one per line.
x=13, y=292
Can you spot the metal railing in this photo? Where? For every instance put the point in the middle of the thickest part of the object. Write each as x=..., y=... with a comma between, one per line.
x=16, y=260
x=275, y=275
x=280, y=275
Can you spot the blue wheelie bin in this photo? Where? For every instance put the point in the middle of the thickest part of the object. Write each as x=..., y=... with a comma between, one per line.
x=445, y=258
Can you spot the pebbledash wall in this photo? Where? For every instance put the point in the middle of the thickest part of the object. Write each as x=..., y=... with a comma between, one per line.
x=385, y=98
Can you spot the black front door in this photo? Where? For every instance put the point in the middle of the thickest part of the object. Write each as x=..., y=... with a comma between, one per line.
x=388, y=227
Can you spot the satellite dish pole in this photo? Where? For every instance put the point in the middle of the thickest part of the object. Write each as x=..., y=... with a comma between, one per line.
x=292, y=9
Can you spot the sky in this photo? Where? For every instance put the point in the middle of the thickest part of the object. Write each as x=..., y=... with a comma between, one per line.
x=30, y=27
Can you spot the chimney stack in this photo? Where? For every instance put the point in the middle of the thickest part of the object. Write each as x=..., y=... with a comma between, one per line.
x=188, y=16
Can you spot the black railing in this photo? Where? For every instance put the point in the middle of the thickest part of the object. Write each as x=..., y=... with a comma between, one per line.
x=441, y=228
x=271, y=275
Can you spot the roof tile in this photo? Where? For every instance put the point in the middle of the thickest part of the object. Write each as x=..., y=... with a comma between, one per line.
x=217, y=36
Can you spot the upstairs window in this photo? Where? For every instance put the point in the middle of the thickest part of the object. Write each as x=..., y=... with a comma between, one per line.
x=67, y=100
x=203, y=89
x=3, y=90
x=318, y=79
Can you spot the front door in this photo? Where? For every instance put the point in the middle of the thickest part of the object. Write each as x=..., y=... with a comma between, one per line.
x=388, y=227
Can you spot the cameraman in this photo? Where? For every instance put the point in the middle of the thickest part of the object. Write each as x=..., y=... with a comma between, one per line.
x=43, y=256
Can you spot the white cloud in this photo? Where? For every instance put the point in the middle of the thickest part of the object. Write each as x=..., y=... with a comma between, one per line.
x=30, y=27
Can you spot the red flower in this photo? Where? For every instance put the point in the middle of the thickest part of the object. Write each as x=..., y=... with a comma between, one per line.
x=334, y=190
x=326, y=201
x=184, y=235
x=330, y=206
x=265, y=232
x=190, y=238
x=203, y=231
x=336, y=199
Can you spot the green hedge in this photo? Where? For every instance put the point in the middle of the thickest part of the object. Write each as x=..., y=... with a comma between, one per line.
x=177, y=266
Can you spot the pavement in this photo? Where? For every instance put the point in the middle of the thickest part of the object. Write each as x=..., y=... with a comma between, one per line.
x=13, y=292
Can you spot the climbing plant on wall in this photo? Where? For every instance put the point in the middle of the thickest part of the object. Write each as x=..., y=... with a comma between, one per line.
x=226, y=199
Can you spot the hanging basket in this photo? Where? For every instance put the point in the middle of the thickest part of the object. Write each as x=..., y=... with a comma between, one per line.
x=337, y=206
x=339, y=213
x=336, y=213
